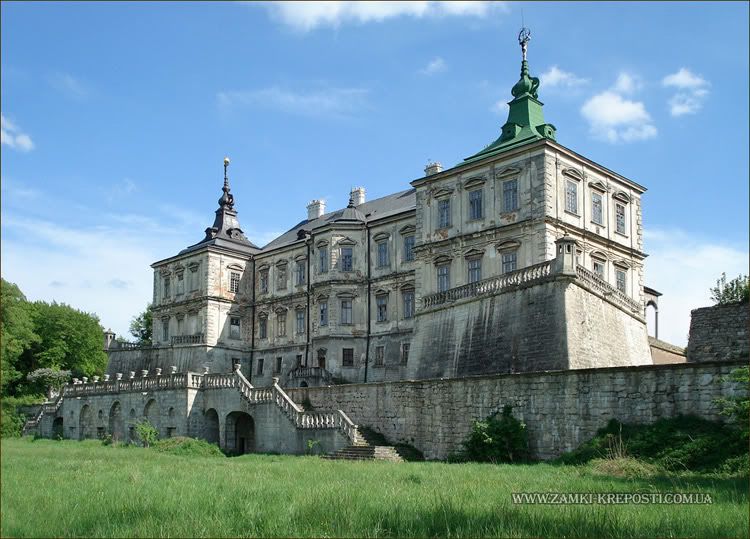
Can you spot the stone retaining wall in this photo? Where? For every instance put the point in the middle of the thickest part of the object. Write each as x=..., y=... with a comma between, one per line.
x=719, y=333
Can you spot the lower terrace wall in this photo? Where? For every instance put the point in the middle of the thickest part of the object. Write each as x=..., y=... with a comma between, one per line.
x=561, y=409
x=190, y=358
x=719, y=333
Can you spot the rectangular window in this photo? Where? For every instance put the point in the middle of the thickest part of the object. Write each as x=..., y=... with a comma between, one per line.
x=324, y=313
x=405, y=352
x=622, y=281
x=408, y=248
x=620, y=215
x=264, y=281
x=298, y=360
x=443, y=277
x=346, y=311
x=263, y=327
x=510, y=195
x=408, y=296
x=598, y=266
x=475, y=270
x=281, y=277
x=379, y=356
x=194, y=279
x=277, y=370
x=165, y=330
x=300, y=272
x=281, y=324
x=475, y=204
x=382, y=303
x=444, y=213
x=596, y=209
x=347, y=255
x=180, y=321
x=166, y=287
x=234, y=282
x=300, y=322
x=260, y=366
x=571, y=196
x=383, y=259
x=234, y=327
x=509, y=262
x=180, y=283
x=323, y=259
x=347, y=357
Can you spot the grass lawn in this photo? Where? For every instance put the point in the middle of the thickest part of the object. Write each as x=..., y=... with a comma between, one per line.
x=52, y=489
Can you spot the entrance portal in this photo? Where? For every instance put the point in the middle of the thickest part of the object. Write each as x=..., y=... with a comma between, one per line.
x=240, y=433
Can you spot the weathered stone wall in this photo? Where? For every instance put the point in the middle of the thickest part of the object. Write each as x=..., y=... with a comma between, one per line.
x=719, y=333
x=561, y=409
x=187, y=358
x=663, y=352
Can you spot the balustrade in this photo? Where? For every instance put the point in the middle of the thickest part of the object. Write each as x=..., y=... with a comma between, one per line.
x=198, y=338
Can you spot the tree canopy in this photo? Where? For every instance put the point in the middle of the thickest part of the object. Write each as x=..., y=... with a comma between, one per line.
x=141, y=326
x=737, y=289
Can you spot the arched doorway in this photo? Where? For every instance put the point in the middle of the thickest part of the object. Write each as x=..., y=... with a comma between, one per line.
x=240, y=433
x=116, y=423
x=151, y=413
x=85, y=427
x=57, y=428
x=303, y=384
x=211, y=426
x=131, y=426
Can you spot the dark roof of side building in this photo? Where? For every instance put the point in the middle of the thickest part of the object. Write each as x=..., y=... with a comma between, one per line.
x=373, y=210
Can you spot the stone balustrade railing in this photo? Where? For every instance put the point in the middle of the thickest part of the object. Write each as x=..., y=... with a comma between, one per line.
x=492, y=285
x=167, y=381
x=604, y=288
x=311, y=372
x=198, y=338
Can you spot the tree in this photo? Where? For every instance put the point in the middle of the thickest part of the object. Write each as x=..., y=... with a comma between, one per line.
x=17, y=334
x=737, y=289
x=141, y=326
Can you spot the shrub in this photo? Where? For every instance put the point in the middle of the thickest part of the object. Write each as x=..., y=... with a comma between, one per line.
x=738, y=408
x=499, y=438
x=146, y=432
x=737, y=289
x=12, y=419
x=183, y=446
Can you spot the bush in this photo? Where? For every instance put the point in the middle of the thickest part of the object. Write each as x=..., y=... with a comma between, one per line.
x=12, y=419
x=184, y=446
x=499, y=438
x=146, y=432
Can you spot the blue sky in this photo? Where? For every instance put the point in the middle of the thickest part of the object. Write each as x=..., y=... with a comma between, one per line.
x=116, y=118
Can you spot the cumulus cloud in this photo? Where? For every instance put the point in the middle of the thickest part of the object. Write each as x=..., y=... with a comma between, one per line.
x=12, y=136
x=683, y=267
x=627, y=83
x=436, y=65
x=556, y=77
x=692, y=91
x=306, y=16
x=336, y=102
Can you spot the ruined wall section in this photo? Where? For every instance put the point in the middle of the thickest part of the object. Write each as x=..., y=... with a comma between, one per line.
x=719, y=333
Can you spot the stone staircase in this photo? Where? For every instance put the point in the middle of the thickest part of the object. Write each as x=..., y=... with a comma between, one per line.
x=367, y=446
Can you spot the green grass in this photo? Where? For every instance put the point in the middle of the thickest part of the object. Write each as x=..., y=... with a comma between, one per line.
x=70, y=488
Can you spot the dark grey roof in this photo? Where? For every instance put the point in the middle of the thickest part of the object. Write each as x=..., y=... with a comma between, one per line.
x=373, y=210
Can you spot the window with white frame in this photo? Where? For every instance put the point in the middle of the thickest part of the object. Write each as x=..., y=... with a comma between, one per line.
x=510, y=195
x=621, y=276
x=598, y=266
x=597, y=215
x=383, y=258
x=509, y=261
x=281, y=324
x=379, y=356
x=346, y=311
x=382, y=307
x=571, y=196
x=263, y=281
x=620, y=218
x=408, y=298
x=300, y=317
x=234, y=327
x=323, y=313
x=263, y=327
x=475, y=270
x=234, y=282
x=444, y=213
x=300, y=272
x=408, y=248
x=443, y=277
x=323, y=259
x=475, y=204
x=347, y=256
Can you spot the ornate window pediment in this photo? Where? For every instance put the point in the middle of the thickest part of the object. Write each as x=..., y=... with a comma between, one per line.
x=193, y=266
x=321, y=243
x=474, y=253
x=262, y=314
x=300, y=257
x=299, y=307
x=600, y=255
x=442, y=192
x=235, y=267
x=281, y=263
x=381, y=236
x=382, y=292
x=280, y=309
x=346, y=295
x=572, y=173
x=407, y=229
x=347, y=241
x=624, y=264
x=507, y=172
x=442, y=259
x=164, y=271
x=622, y=196
x=599, y=186
x=321, y=297
x=407, y=286
x=263, y=267
x=476, y=181
x=509, y=245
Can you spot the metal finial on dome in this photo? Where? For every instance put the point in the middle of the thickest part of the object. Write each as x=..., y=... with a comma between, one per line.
x=524, y=36
x=226, y=164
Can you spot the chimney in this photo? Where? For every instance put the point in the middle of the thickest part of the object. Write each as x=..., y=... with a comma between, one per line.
x=358, y=195
x=433, y=168
x=315, y=209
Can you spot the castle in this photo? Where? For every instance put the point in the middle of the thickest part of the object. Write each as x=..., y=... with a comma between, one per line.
x=525, y=257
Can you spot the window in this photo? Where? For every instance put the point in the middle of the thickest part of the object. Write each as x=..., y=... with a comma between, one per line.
x=379, y=356
x=346, y=311
x=347, y=357
x=408, y=296
x=622, y=280
x=300, y=322
x=571, y=197
x=510, y=195
x=180, y=284
x=277, y=370
x=475, y=270
x=194, y=278
x=263, y=327
x=509, y=261
x=596, y=208
x=323, y=259
x=298, y=360
x=260, y=366
x=383, y=253
x=281, y=324
x=281, y=277
x=234, y=327
x=264, y=281
x=324, y=313
x=443, y=277
x=620, y=216
x=234, y=282
x=165, y=330
x=475, y=204
x=382, y=303
x=166, y=287
x=347, y=254
x=300, y=272
x=444, y=213
x=408, y=248
x=405, y=352
x=180, y=321
x=598, y=267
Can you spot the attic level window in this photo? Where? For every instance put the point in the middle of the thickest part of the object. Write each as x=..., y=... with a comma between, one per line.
x=475, y=204
x=263, y=282
x=234, y=282
x=281, y=277
x=193, y=278
x=300, y=317
x=180, y=283
x=323, y=259
x=281, y=324
x=383, y=259
x=408, y=248
x=324, y=313
x=234, y=327
x=596, y=208
x=571, y=197
x=263, y=327
x=382, y=306
x=347, y=255
x=444, y=213
x=620, y=217
x=300, y=272
x=510, y=195
x=167, y=291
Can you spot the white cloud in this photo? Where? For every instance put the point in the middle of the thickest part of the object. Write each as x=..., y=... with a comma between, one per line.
x=337, y=102
x=616, y=119
x=693, y=91
x=683, y=268
x=13, y=137
x=306, y=16
x=436, y=65
x=69, y=85
x=556, y=77
x=627, y=83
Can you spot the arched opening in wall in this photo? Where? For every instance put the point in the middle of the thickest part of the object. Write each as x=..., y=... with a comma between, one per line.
x=240, y=433
x=211, y=426
x=84, y=423
x=303, y=384
x=57, y=428
x=116, y=423
x=151, y=414
x=171, y=429
x=652, y=319
x=131, y=426
x=101, y=429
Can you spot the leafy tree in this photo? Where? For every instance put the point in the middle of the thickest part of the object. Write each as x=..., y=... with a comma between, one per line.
x=141, y=326
x=17, y=333
x=45, y=378
x=737, y=289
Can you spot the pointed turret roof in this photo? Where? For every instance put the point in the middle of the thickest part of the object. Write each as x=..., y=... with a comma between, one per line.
x=351, y=213
x=525, y=117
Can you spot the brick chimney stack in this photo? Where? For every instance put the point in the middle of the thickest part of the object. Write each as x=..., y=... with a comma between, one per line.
x=315, y=209
x=358, y=195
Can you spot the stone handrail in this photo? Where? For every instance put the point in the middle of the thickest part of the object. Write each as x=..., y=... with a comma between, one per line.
x=218, y=381
x=492, y=285
x=46, y=408
x=198, y=338
x=167, y=381
x=311, y=372
x=606, y=289
x=117, y=345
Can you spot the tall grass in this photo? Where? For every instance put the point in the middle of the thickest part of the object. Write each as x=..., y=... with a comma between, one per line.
x=85, y=489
